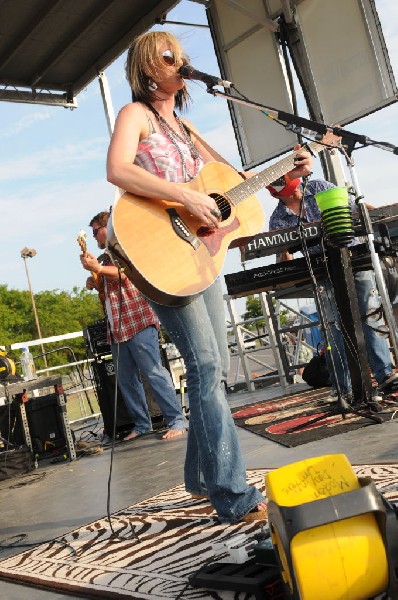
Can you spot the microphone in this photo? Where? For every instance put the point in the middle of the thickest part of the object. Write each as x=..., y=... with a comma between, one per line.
x=188, y=72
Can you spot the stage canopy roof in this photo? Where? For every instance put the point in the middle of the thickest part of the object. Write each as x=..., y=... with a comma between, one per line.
x=51, y=49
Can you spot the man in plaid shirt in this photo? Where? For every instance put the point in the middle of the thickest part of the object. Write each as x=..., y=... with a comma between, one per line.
x=133, y=332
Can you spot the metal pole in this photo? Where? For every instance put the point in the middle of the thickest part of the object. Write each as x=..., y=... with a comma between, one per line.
x=35, y=311
x=378, y=273
x=107, y=101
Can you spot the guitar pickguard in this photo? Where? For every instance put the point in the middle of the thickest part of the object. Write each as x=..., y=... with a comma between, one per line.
x=212, y=238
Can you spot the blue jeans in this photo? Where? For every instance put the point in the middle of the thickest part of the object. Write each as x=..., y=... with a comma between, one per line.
x=377, y=346
x=214, y=464
x=141, y=354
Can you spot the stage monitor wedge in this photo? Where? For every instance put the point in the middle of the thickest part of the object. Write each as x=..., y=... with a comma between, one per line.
x=249, y=56
x=348, y=58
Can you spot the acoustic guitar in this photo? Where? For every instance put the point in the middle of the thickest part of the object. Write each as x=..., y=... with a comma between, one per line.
x=167, y=253
x=98, y=281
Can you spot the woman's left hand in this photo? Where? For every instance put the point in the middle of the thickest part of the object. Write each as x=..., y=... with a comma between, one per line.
x=302, y=162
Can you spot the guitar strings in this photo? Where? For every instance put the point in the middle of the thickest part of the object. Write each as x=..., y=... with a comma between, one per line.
x=280, y=169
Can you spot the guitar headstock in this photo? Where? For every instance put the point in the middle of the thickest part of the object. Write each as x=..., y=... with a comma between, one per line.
x=82, y=241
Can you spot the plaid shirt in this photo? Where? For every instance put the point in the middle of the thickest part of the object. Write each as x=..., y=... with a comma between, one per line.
x=136, y=312
x=158, y=155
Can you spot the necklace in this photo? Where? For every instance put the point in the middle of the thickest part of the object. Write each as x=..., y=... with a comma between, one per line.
x=176, y=138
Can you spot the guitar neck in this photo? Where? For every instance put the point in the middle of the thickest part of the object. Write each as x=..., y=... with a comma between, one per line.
x=81, y=240
x=263, y=178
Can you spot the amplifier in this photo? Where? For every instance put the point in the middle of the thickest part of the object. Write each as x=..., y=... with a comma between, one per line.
x=96, y=340
x=44, y=421
x=104, y=377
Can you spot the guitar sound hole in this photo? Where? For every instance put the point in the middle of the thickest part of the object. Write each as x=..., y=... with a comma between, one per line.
x=223, y=205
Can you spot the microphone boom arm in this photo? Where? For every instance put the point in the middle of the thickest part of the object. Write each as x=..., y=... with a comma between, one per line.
x=348, y=137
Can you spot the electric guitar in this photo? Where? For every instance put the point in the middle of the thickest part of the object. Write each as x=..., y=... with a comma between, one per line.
x=167, y=253
x=98, y=281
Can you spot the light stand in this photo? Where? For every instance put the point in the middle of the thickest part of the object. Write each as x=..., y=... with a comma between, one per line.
x=380, y=282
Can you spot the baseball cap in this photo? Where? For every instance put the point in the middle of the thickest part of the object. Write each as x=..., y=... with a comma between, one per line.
x=284, y=186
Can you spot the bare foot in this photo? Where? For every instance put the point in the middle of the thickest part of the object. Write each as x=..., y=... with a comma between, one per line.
x=131, y=436
x=172, y=433
x=261, y=506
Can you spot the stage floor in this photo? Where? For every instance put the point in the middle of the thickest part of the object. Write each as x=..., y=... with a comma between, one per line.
x=72, y=494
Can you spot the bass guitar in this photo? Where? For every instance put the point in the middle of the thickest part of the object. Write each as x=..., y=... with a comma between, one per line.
x=98, y=281
x=167, y=253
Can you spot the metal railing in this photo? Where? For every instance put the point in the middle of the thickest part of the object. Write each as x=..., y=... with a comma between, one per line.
x=276, y=338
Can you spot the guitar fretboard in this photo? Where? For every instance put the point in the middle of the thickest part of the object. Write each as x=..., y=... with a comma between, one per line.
x=260, y=180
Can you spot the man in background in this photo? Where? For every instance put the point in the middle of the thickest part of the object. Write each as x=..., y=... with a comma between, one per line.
x=133, y=332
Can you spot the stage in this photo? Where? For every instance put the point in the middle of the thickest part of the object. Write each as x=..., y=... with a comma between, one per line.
x=58, y=498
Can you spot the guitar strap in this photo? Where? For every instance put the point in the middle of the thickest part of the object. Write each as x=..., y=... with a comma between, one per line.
x=213, y=152
x=190, y=131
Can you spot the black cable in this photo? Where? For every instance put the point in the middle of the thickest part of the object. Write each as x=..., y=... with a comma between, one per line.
x=108, y=510
x=333, y=305
x=22, y=536
x=346, y=338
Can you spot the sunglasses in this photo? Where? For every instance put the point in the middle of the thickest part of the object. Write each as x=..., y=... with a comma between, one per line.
x=95, y=231
x=170, y=60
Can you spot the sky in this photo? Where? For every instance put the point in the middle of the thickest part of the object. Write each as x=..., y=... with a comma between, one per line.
x=52, y=168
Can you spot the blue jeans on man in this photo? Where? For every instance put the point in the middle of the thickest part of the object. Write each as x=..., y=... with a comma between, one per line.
x=141, y=354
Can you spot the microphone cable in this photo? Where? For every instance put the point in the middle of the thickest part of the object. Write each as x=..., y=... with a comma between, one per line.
x=318, y=299
x=116, y=535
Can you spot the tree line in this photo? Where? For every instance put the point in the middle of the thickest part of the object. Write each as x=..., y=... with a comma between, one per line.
x=59, y=312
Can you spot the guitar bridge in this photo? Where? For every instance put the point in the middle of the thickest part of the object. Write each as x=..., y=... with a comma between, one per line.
x=181, y=229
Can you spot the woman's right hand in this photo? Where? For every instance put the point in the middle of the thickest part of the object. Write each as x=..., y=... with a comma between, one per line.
x=283, y=256
x=201, y=206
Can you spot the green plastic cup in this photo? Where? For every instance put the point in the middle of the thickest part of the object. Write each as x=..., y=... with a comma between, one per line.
x=343, y=227
x=332, y=198
x=337, y=219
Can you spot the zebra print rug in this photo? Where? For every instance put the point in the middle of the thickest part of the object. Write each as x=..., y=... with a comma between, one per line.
x=148, y=551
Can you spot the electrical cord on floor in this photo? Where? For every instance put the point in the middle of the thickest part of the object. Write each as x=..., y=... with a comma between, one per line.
x=21, y=536
x=86, y=433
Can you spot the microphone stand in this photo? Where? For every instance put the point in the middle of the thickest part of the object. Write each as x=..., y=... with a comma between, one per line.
x=295, y=123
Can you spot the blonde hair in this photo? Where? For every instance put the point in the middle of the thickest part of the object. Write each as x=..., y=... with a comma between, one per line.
x=144, y=63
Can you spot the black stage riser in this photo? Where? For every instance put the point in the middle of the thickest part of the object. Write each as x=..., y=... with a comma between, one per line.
x=44, y=422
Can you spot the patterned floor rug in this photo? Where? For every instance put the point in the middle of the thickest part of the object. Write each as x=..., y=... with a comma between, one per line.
x=311, y=412
x=173, y=538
